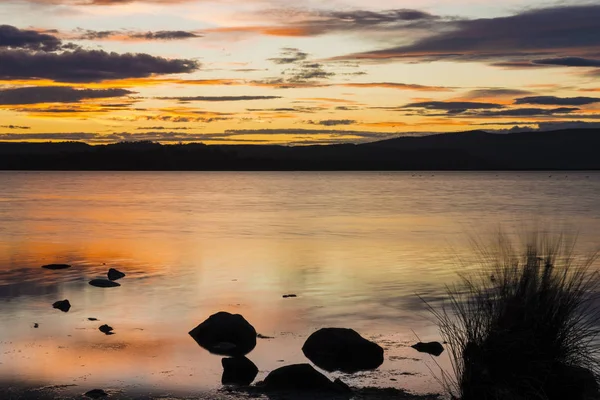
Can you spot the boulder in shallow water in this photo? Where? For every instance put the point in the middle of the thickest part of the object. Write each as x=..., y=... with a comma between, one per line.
x=341, y=349
x=300, y=378
x=107, y=330
x=238, y=371
x=225, y=334
x=433, y=348
x=96, y=394
x=56, y=267
x=62, y=305
x=114, y=274
x=104, y=283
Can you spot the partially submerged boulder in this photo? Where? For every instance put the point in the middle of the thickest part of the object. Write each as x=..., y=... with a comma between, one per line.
x=62, y=305
x=433, y=348
x=238, y=371
x=341, y=349
x=96, y=394
x=114, y=274
x=300, y=378
x=103, y=283
x=56, y=267
x=225, y=334
x=107, y=330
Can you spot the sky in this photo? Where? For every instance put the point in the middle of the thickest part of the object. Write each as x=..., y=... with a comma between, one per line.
x=294, y=72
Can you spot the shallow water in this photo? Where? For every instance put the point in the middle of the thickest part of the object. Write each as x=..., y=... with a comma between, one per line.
x=356, y=248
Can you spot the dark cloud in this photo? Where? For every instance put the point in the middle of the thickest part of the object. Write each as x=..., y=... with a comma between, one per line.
x=87, y=65
x=557, y=101
x=332, y=122
x=496, y=92
x=15, y=38
x=289, y=55
x=55, y=94
x=566, y=31
x=129, y=35
x=452, y=105
x=15, y=127
x=523, y=112
x=219, y=98
x=569, y=61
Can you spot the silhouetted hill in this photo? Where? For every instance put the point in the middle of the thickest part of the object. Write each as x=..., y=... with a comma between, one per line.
x=474, y=150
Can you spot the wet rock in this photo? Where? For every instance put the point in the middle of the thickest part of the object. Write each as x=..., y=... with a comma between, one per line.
x=340, y=349
x=285, y=296
x=225, y=334
x=36, y=325
x=92, y=319
x=56, y=267
x=261, y=336
x=433, y=348
x=114, y=274
x=299, y=378
x=238, y=371
x=62, y=305
x=103, y=283
x=107, y=330
x=96, y=394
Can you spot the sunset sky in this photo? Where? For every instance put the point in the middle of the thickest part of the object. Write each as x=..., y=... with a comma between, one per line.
x=293, y=72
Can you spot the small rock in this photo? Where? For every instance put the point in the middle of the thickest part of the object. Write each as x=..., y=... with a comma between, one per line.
x=285, y=296
x=92, y=319
x=107, y=330
x=103, y=283
x=261, y=336
x=56, y=266
x=62, y=305
x=114, y=274
x=225, y=334
x=433, y=348
x=36, y=325
x=96, y=394
x=238, y=371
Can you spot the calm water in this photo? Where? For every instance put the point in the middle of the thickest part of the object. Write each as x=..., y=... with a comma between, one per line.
x=355, y=247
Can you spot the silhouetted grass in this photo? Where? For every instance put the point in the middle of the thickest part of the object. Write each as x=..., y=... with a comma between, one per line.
x=525, y=326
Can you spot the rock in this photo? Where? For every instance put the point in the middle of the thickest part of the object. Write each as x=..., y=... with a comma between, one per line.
x=36, y=325
x=56, y=266
x=238, y=371
x=343, y=386
x=299, y=378
x=433, y=348
x=107, y=330
x=92, y=319
x=340, y=349
x=96, y=394
x=114, y=274
x=285, y=296
x=62, y=305
x=571, y=382
x=225, y=334
x=261, y=336
x=104, y=283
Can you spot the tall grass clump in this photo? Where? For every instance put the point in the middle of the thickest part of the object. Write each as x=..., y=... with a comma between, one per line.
x=526, y=324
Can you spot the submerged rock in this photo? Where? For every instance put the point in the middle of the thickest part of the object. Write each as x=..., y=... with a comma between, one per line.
x=340, y=349
x=225, y=334
x=103, y=283
x=238, y=371
x=433, y=348
x=96, y=394
x=114, y=274
x=300, y=378
x=56, y=266
x=107, y=330
x=62, y=305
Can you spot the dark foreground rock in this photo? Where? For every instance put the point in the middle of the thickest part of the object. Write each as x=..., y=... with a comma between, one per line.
x=225, y=334
x=56, y=267
x=107, y=330
x=340, y=349
x=433, y=348
x=238, y=371
x=103, y=283
x=62, y=305
x=96, y=394
x=114, y=274
x=300, y=378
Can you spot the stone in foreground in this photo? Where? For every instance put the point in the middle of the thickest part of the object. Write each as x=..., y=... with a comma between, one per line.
x=56, y=267
x=301, y=378
x=62, y=305
x=96, y=394
x=104, y=283
x=340, y=349
x=433, y=348
x=107, y=330
x=114, y=274
x=225, y=334
x=238, y=371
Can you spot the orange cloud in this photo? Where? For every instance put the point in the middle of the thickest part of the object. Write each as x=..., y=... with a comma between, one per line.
x=399, y=86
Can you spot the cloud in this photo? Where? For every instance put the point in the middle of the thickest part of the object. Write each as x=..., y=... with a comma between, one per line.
x=289, y=55
x=88, y=65
x=55, y=94
x=15, y=38
x=452, y=106
x=558, y=101
x=495, y=92
x=569, y=62
x=399, y=86
x=131, y=35
x=332, y=122
x=523, y=112
x=219, y=98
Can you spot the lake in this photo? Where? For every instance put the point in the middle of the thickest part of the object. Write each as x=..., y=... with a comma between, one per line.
x=356, y=248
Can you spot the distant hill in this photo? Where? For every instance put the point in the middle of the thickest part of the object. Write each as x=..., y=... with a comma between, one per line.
x=474, y=150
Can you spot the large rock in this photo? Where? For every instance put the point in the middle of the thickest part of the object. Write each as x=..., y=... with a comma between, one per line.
x=114, y=274
x=340, y=349
x=225, y=334
x=62, y=305
x=300, y=378
x=104, y=283
x=238, y=371
x=433, y=348
x=56, y=266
